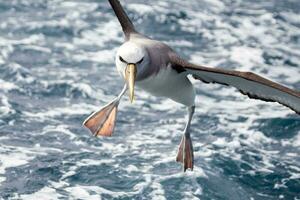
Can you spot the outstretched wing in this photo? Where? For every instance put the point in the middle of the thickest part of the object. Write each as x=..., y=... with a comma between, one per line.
x=247, y=83
x=124, y=20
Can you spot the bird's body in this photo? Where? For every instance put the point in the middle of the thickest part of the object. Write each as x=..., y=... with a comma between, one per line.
x=159, y=78
x=171, y=84
x=154, y=67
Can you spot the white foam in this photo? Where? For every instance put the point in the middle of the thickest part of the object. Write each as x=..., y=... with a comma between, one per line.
x=2, y=61
x=83, y=7
x=102, y=56
x=158, y=192
x=296, y=140
x=67, y=46
x=12, y=157
x=12, y=160
x=89, y=162
x=131, y=168
x=74, y=109
x=142, y=9
x=78, y=192
x=18, y=70
x=45, y=193
x=7, y=86
x=215, y=4
x=37, y=48
x=246, y=56
x=280, y=71
x=59, y=128
x=105, y=33
x=290, y=17
x=228, y=107
x=220, y=142
x=32, y=39
x=84, y=192
x=180, y=43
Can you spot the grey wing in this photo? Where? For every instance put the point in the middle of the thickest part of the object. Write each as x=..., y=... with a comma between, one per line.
x=247, y=83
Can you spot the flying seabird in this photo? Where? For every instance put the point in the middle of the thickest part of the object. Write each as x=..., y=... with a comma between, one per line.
x=156, y=68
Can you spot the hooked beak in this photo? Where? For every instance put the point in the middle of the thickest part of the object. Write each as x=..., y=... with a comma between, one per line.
x=130, y=74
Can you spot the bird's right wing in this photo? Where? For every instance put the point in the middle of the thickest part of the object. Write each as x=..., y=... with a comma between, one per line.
x=247, y=83
x=124, y=20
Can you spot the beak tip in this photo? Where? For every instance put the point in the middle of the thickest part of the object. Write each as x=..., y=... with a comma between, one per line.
x=131, y=99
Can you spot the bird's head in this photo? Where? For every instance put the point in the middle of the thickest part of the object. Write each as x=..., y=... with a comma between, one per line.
x=131, y=62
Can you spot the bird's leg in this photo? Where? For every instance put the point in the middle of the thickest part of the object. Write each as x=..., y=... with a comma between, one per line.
x=185, y=153
x=102, y=122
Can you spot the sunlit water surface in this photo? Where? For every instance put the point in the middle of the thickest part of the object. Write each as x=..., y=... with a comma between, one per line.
x=57, y=66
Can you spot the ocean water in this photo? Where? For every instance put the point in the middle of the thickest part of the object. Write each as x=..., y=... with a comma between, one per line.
x=57, y=66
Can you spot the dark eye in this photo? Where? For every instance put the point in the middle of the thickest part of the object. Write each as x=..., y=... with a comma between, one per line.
x=121, y=59
x=140, y=61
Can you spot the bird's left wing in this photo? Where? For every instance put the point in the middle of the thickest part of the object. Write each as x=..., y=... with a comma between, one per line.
x=247, y=83
x=123, y=18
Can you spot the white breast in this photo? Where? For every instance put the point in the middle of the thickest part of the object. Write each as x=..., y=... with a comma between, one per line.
x=169, y=83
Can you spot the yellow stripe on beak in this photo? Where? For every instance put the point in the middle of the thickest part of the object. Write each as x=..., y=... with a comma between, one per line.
x=130, y=74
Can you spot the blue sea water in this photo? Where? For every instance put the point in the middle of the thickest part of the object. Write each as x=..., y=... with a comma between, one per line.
x=57, y=66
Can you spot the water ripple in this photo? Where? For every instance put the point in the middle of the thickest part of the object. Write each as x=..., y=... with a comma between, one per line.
x=57, y=66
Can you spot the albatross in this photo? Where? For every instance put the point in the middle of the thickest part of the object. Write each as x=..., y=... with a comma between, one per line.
x=156, y=68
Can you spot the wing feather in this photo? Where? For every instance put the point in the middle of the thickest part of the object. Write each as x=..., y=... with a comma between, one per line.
x=123, y=18
x=248, y=83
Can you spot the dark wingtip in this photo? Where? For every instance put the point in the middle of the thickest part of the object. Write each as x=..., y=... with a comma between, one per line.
x=123, y=18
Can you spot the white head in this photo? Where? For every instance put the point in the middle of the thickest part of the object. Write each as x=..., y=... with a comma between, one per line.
x=131, y=53
x=131, y=62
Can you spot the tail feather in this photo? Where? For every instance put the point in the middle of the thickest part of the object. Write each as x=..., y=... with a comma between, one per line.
x=185, y=153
